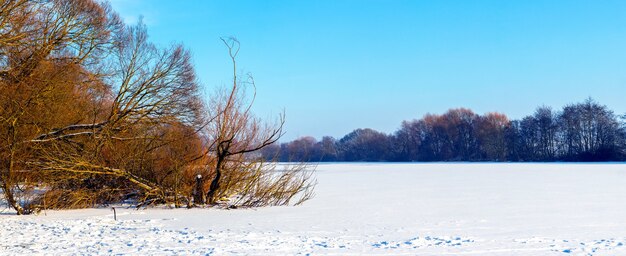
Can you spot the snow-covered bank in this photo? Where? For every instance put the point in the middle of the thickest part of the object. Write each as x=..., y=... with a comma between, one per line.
x=394, y=209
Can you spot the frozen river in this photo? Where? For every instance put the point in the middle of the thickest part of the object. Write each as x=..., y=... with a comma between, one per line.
x=371, y=209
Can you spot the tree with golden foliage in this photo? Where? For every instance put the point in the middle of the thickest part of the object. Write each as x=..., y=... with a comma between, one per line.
x=76, y=86
x=45, y=47
x=93, y=113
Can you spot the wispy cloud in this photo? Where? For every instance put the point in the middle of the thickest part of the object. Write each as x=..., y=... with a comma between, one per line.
x=131, y=11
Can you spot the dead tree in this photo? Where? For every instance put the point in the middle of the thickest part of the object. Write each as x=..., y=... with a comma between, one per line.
x=235, y=134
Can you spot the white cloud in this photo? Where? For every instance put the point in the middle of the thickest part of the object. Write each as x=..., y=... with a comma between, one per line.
x=131, y=10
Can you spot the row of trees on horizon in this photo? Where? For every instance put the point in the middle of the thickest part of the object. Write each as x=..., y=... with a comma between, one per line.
x=586, y=131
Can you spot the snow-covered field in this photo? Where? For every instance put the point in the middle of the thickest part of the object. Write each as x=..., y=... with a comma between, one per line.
x=367, y=209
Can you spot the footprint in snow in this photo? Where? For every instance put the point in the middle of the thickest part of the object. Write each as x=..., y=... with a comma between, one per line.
x=427, y=241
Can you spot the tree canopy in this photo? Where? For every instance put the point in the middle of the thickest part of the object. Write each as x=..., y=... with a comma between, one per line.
x=586, y=131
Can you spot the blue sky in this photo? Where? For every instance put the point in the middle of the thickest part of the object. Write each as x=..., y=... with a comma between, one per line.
x=338, y=65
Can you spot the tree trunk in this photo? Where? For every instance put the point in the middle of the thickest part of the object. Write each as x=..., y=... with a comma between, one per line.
x=215, y=183
x=7, y=176
x=198, y=194
x=7, y=185
x=8, y=194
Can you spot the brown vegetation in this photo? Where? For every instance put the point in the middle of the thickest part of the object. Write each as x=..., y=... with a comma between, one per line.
x=234, y=134
x=93, y=113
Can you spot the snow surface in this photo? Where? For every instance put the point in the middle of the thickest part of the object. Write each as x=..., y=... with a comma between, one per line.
x=367, y=209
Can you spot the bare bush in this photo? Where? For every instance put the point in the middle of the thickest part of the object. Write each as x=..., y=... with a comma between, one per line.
x=235, y=135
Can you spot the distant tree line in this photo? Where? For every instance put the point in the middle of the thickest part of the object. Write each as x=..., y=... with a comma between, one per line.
x=586, y=131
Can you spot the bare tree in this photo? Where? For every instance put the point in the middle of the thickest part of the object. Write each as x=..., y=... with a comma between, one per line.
x=76, y=86
x=590, y=131
x=153, y=90
x=39, y=39
x=235, y=135
x=490, y=132
x=94, y=112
